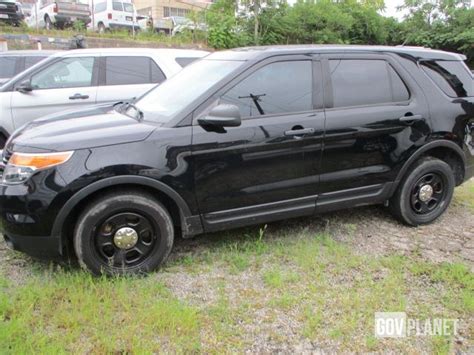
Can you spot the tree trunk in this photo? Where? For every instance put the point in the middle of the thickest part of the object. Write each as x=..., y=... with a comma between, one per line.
x=256, y=12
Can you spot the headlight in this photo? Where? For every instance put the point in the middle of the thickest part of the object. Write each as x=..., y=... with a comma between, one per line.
x=22, y=166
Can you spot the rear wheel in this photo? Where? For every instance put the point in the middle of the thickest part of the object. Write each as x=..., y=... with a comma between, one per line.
x=48, y=25
x=126, y=233
x=101, y=28
x=425, y=193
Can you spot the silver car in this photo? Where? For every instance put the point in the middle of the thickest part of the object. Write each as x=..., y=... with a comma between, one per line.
x=86, y=77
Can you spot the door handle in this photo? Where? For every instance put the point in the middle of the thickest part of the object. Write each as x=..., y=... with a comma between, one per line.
x=411, y=119
x=78, y=97
x=299, y=132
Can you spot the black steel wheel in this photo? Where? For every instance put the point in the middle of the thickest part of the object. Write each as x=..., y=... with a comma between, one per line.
x=424, y=193
x=125, y=233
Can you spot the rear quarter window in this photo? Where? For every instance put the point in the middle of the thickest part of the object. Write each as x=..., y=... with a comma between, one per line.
x=185, y=61
x=452, y=77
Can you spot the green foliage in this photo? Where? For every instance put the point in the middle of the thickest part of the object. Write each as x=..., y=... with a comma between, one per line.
x=443, y=24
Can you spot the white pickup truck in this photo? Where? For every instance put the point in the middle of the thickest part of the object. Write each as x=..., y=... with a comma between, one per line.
x=60, y=13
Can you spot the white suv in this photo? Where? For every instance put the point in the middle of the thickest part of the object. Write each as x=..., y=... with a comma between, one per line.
x=86, y=77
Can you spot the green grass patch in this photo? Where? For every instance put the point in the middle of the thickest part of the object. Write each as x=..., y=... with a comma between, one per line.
x=75, y=312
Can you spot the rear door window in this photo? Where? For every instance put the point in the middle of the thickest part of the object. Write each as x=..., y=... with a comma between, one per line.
x=7, y=66
x=117, y=6
x=358, y=82
x=132, y=71
x=30, y=61
x=450, y=76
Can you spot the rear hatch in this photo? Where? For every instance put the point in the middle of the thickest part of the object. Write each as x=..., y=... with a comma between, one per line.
x=73, y=8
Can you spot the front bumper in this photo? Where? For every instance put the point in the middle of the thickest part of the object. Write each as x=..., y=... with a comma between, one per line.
x=40, y=247
x=27, y=215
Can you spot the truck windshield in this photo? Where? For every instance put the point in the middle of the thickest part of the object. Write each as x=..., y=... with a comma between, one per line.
x=166, y=100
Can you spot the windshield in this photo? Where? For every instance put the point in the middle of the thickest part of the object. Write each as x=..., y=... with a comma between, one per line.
x=169, y=98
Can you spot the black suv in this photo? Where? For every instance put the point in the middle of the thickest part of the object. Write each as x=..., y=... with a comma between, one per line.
x=242, y=137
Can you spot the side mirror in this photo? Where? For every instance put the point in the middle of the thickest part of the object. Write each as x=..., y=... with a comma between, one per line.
x=223, y=115
x=24, y=87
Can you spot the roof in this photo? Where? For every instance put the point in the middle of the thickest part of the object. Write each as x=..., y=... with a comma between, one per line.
x=29, y=53
x=254, y=53
x=155, y=51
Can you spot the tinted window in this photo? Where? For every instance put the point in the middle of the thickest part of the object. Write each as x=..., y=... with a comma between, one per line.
x=365, y=82
x=67, y=73
x=7, y=66
x=30, y=61
x=132, y=70
x=276, y=88
x=451, y=76
x=100, y=7
x=117, y=6
x=184, y=61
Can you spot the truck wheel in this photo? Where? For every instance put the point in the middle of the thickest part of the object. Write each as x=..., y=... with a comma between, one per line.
x=101, y=28
x=123, y=233
x=48, y=25
x=424, y=193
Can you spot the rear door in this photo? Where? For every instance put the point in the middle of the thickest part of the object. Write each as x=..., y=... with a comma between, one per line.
x=269, y=164
x=374, y=113
x=123, y=78
x=62, y=85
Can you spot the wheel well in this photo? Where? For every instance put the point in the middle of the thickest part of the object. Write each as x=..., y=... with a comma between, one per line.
x=69, y=224
x=452, y=158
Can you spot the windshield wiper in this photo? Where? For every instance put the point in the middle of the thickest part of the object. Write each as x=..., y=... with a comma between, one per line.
x=255, y=99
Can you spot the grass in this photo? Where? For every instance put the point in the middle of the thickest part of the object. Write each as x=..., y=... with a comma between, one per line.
x=239, y=289
x=182, y=39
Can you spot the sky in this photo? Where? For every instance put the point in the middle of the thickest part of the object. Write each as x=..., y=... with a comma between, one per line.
x=391, y=9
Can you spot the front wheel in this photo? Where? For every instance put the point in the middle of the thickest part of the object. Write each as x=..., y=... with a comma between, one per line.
x=425, y=193
x=125, y=233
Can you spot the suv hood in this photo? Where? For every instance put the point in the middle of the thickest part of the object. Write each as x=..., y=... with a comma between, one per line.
x=93, y=127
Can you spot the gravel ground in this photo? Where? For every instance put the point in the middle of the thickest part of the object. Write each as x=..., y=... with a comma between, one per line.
x=367, y=230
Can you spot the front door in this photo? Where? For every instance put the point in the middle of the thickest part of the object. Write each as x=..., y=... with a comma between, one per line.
x=69, y=83
x=267, y=167
x=374, y=113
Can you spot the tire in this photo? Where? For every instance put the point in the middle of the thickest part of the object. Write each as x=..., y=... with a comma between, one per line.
x=101, y=28
x=124, y=233
x=3, y=141
x=424, y=193
x=48, y=25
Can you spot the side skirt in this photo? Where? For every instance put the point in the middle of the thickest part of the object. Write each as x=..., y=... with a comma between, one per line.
x=303, y=206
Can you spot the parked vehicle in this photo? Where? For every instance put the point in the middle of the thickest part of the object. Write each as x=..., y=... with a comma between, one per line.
x=60, y=13
x=76, y=79
x=177, y=24
x=14, y=62
x=242, y=137
x=11, y=12
x=110, y=15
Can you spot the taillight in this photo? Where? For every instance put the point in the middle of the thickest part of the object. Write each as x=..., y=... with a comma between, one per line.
x=109, y=16
x=55, y=8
